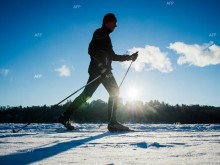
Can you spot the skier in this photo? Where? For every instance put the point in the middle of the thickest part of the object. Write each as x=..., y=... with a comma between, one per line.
x=101, y=54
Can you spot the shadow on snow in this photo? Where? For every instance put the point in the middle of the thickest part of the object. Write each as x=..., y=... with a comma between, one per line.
x=39, y=154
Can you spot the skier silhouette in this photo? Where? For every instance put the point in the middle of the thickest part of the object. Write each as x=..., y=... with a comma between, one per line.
x=101, y=54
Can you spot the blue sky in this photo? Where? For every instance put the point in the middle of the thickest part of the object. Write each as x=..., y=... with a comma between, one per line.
x=44, y=43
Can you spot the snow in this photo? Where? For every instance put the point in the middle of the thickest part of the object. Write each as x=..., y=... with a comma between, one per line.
x=151, y=144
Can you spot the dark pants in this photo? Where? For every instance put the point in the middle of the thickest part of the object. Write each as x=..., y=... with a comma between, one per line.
x=110, y=85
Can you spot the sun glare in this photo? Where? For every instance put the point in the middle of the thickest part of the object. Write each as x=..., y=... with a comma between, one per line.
x=132, y=93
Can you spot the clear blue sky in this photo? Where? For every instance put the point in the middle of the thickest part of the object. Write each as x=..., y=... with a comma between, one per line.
x=44, y=43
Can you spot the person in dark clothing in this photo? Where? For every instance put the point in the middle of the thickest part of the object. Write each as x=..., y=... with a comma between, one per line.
x=101, y=54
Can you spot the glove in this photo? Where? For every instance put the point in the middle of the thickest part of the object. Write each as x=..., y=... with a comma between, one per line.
x=134, y=56
x=102, y=68
x=104, y=71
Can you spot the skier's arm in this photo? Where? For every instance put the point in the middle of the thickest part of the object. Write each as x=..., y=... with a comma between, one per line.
x=132, y=57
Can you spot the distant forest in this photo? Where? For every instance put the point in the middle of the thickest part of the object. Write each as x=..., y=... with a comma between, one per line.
x=96, y=112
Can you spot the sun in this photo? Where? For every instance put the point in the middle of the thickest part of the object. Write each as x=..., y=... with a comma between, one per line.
x=132, y=93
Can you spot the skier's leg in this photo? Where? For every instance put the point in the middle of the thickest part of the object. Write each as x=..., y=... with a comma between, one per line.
x=82, y=98
x=112, y=107
x=113, y=90
x=85, y=95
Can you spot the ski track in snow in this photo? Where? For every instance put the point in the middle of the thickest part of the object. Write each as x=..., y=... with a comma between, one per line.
x=150, y=144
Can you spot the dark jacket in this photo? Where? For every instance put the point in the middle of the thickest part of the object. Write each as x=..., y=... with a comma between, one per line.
x=101, y=51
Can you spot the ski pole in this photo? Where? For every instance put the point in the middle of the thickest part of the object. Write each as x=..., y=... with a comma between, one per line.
x=16, y=131
x=125, y=74
x=78, y=90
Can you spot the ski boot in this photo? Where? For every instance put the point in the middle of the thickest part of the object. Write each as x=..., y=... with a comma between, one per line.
x=117, y=127
x=65, y=120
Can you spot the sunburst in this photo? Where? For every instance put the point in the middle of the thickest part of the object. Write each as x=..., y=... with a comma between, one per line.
x=133, y=93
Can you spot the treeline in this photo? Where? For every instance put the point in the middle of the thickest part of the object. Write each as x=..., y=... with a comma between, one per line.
x=96, y=111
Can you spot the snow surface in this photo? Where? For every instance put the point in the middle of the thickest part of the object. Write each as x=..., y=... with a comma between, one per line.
x=150, y=144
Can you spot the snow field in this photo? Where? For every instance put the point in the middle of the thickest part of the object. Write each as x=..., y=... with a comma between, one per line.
x=151, y=144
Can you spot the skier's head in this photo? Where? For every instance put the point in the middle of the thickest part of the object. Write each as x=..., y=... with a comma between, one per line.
x=110, y=21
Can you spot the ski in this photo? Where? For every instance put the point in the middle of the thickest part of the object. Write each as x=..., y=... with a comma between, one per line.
x=76, y=130
x=121, y=131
